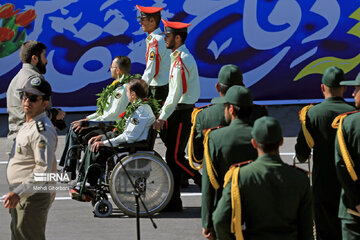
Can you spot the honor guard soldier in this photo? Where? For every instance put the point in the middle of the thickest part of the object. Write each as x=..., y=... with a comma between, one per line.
x=266, y=199
x=347, y=162
x=156, y=73
x=317, y=134
x=224, y=147
x=213, y=115
x=184, y=91
x=111, y=102
x=34, y=152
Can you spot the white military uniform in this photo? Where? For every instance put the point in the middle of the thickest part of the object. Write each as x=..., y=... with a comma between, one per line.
x=157, y=60
x=184, y=85
x=33, y=152
x=136, y=128
x=117, y=104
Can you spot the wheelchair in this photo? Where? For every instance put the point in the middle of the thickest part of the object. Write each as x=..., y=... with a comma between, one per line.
x=148, y=171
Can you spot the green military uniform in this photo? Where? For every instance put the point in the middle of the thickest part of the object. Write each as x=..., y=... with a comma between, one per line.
x=348, y=168
x=350, y=192
x=227, y=146
x=275, y=197
x=325, y=187
x=213, y=115
x=33, y=152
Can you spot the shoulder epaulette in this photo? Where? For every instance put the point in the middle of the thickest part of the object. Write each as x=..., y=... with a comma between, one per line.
x=349, y=163
x=302, y=117
x=211, y=129
x=40, y=126
x=241, y=164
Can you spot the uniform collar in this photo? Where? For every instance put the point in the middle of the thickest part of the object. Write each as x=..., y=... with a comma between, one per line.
x=156, y=32
x=269, y=158
x=332, y=99
x=238, y=121
x=29, y=66
x=182, y=48
x=38, y=117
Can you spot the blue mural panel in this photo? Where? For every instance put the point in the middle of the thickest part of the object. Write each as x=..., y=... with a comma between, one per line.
x=282, y=46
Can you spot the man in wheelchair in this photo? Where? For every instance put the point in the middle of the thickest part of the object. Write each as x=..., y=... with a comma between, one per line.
x=111, y=102
x=133, y=126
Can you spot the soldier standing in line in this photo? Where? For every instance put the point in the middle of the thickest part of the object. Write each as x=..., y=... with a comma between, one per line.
x=267, y=198
x=318, y=134
x=226, y=146
x=156, y=73
x=347, y=162
x=34, y=152
x=184, y=91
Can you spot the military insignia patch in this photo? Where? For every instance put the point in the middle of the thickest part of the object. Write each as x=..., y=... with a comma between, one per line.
x=42, y=144
x=177, y=54
x=18, y=148
x=118, y=95
x=40, y=126
x=135, y=121
x=149, y=38
x=152, y=56
x=35, y=81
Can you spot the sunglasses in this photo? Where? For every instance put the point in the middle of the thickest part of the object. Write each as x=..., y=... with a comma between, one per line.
x=32, y=98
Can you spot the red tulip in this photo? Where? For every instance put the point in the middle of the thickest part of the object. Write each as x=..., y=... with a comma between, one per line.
x=6, y=34
x=122, y=115
x=7, y=11
x=115, y=129
x=25, y=18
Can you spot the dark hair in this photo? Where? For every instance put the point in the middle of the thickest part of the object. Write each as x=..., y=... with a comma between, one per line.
x=268, y=148
x=46, y=97
x=183, y=36
x=124, y=63
x=242, y=112
x=157, y=18
x=223, y=88
x=138, y=86
x=30, y=48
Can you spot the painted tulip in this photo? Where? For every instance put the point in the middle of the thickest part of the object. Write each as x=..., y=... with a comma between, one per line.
x=25, y=18
x=7, y=11
x=6, y=34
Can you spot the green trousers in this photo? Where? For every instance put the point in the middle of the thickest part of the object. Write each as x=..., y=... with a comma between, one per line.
x=28, y=219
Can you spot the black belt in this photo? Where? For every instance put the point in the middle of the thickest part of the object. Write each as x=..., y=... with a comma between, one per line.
x=183, y=106
x=155, y=87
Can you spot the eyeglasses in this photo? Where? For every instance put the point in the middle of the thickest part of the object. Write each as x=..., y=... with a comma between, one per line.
x=32, y=98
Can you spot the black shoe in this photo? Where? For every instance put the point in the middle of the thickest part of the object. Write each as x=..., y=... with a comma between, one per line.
x=173, y=206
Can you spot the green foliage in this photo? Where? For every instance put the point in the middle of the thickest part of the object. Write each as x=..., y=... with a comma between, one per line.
x=104, y=96
x=7, y=48
x=119, y=127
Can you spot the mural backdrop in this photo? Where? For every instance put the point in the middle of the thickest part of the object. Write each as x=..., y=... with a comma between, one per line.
x=282, y=46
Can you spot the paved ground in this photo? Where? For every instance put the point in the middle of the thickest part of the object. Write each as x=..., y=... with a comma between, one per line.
x=69, y=219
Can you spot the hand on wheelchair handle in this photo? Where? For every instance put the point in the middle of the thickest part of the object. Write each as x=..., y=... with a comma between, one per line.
x=94, y=139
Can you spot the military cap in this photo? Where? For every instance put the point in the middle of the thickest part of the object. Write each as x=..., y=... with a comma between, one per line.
x=230, y=75
x=266, y=130
x=333, y=76
x=236, y=95
x=37, y=85
x=148, y=11
x=355, y=82
x=170, y=27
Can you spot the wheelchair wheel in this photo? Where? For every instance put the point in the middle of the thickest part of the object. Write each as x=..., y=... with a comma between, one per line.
x=102, y=208
x=151, y=176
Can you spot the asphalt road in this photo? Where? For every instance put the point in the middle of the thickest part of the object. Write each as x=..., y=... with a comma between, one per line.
x=70, y=219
